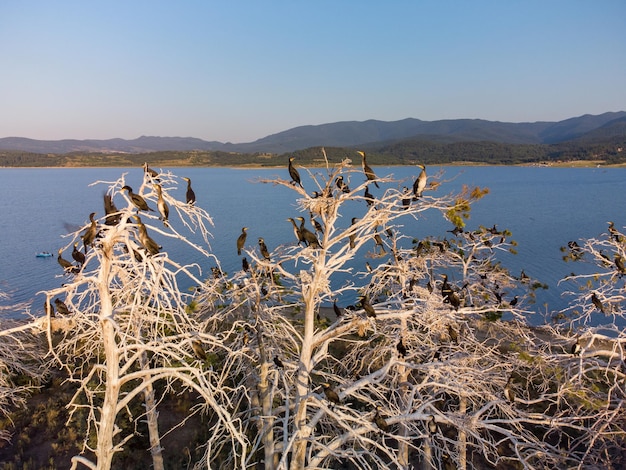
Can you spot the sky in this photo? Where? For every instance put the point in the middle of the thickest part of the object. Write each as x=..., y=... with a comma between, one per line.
x=236, y=71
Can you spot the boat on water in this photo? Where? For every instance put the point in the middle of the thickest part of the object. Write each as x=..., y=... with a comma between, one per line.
x=43, y=254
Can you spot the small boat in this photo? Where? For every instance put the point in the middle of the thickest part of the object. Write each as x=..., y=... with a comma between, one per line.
x=43, y=254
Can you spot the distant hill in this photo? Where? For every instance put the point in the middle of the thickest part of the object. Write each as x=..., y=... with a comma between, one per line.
x=350, y=134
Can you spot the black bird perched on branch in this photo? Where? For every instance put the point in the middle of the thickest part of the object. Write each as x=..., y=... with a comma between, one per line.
x=137, y=199
x=278, y=362
x=369, y=197
x=369, y=173
x=367, y=306
x=331, y=395
x=263, y=248
x=162, y=206
x=148, y=243
x=61, y=307
x=78, y=255
x=293, y=173
x=296, y=231
x=244, y=264
x=90, y=234
x=65, y=264
x=380, y=421
x=310, y=239
x=575, y=349
x=619, y=263
x=241, y=240
x=190, y=195
x=352, y=236
x=420, y=183
x=198, y=350
x=112, y=216
x=149, y=171
x=318, y=226
x=401, y=347
x=595, y=300
x=336, y=309
x=343, y=187
x=48, y=308
x=613, y=231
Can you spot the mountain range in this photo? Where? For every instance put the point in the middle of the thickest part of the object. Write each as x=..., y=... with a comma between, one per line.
x=354, y=133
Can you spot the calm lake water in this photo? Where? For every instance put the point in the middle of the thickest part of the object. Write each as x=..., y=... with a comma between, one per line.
x=543, y=207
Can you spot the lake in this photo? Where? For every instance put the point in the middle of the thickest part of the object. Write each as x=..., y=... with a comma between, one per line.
x=543, y=207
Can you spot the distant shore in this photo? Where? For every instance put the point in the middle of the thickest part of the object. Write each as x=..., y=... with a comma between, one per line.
x=558, y=164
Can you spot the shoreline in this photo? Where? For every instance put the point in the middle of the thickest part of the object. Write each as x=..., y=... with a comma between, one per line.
x=563, y=164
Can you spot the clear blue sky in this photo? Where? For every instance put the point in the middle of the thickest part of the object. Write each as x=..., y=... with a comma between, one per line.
x=240, y=70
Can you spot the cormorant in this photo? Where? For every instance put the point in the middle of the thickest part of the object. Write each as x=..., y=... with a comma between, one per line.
x=524, y=277
x=164, y=210
x=433, y=427
x=244, y=264
x=264, y=250
x=613, y=231
x=454, y=335
x=293, y=173
x=336, y=309
x=379, y=242
x=367, y=306
x=343, y=187
x=78, y=255
x=369, y=197
x=401, y=347
x=509, y=393
x=369, y=173
x=619, y=263
x=352, y=236
x=514, y=301
x=61, y=307
x=420, y=183
x=149, y=171
x=137, y=200
x=595, y=300
x=455, y=231
x=296, y=231
x=90, y=234
x=48, y=308
x=318, y=227
x=65, y=264
x=198, y=350
x=241, y=240
x=191, y=196
x=148, y=243
x=309, y=237
x=575, y=349
x=278, y=362
x=112, y=216
x=331, y=395
x=380, y=421
x=446, y=290
x=406, y=201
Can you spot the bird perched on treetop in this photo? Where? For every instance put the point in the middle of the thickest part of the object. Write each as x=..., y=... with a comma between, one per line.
x=293, y=173
x=164, y=210
x=241, y=240
x=137, y=200
x=190, y=195
x=90, y=234
x=369, y=173
x=420, y=183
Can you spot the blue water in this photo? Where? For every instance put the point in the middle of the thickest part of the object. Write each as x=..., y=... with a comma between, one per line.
x=543, y=207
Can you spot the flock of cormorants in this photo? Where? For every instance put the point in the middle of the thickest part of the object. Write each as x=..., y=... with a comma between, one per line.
x=304, y=237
